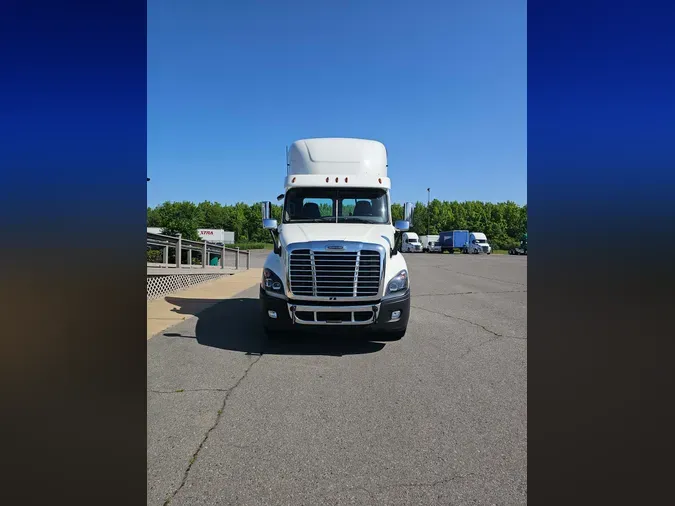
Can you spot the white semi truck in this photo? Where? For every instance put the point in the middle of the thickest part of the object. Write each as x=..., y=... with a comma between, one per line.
x=411, y=243
x=478, y=243
x=336, y=260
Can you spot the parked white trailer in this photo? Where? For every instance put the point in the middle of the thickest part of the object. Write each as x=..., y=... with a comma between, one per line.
x=218, y=236
x=430, y=243
x=212, y=235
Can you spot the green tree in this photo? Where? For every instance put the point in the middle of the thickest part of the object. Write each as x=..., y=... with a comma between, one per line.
x=396, y=212
x=503, y=223
x=178, y=218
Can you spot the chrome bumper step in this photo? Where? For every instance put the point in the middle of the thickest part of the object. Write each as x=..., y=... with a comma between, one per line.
x=344, y=315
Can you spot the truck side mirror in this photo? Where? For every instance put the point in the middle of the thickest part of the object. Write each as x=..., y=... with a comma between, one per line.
x=402, y=226
x=408, y=211
x=266, y=210
x=269, y=224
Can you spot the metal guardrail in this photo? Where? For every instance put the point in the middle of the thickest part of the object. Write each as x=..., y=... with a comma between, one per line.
x=204, y=248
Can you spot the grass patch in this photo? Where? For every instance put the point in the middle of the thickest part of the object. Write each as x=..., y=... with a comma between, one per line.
x=500, y=252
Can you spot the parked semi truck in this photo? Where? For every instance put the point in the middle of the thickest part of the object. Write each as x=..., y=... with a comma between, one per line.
x=411, y=243
x=522, y=250
x=478, y=243
x=464, y=241
x=336, y=260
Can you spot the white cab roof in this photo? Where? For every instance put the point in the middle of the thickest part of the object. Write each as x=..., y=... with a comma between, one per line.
x=479, y=235
x=341, y=162
x=337, y=156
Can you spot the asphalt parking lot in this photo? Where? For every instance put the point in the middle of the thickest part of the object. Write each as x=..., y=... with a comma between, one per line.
x=438, y=417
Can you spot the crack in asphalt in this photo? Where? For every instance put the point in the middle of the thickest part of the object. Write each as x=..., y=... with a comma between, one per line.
x=367, y=491
x=181, y=390
x=474, y=348
x=208, y=432
x=477, y=276
x=433, y=483
x=464, y=293
x=496, y=334
x=381, y=488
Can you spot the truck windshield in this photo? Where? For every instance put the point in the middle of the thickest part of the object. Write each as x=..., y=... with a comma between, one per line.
x=351, y=205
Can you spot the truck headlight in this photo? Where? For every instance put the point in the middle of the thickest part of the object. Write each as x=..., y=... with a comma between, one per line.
x=399, y=283
x=271, y=282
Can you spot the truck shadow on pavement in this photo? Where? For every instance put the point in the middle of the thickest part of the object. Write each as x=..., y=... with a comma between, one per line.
x=234, y=324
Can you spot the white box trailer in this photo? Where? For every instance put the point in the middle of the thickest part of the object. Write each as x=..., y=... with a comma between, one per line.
x=219, y=236
x=430, y=243
x=214, y=235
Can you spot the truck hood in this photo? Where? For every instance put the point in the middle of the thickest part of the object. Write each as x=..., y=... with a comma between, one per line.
x=291, y=233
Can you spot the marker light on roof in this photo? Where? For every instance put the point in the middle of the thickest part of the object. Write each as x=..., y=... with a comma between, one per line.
x=379, y=179
x=326, y=180
x=293, y=180
x=346, y=179
x=336, y=180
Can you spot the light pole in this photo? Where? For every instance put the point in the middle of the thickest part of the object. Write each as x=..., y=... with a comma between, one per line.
x=428, y=215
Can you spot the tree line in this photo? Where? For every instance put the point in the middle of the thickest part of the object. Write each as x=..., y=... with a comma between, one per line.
x=503, y=223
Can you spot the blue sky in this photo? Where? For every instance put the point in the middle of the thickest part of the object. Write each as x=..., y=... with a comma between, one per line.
x=442, y=84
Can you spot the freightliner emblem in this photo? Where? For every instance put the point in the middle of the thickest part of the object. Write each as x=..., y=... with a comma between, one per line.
x=335, y=247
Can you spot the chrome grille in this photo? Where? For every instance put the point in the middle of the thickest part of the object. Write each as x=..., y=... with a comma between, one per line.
x=335, y=273
x=485, y=249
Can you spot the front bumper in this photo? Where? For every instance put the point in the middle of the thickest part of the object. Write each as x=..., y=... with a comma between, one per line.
x=302, y=315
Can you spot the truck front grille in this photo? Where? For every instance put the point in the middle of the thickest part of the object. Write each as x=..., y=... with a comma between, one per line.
x=335, y=274
x=485, y=249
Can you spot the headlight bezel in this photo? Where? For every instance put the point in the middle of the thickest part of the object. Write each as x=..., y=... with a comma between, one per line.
x=271, y=282
x=401, y=283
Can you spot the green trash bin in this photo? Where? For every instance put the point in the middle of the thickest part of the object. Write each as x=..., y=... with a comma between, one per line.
x=215, y=260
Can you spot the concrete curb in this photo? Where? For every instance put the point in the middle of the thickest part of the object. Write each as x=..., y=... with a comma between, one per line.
x=171, y=309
